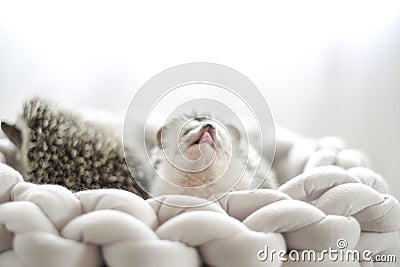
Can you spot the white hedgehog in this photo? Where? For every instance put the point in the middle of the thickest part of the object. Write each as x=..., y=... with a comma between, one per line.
x=56, y=146
x=196, y=154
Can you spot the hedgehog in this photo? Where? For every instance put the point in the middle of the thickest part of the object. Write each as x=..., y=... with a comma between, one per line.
x=203, y=157
x=56, y=146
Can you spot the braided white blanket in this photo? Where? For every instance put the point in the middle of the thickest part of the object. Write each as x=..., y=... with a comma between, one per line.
x=344, y=207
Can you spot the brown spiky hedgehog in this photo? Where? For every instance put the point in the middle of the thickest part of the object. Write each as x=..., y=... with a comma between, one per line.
x=55, y=146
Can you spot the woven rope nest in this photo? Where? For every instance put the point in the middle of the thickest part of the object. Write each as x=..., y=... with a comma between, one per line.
x=48, y=225
x=61, y=223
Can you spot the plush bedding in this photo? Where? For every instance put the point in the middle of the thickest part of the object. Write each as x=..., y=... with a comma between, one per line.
x=328, y=199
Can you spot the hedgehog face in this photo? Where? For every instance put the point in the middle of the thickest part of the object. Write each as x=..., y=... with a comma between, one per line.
x=199, y=145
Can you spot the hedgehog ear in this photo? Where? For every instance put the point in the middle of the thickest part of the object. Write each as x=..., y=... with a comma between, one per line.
x=159, y=135
x=233, y=132
x=13, y=133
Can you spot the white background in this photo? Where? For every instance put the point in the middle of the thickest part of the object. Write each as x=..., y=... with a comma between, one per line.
x=325, y=67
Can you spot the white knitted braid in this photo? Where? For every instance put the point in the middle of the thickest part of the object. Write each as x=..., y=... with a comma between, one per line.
x=317, y=205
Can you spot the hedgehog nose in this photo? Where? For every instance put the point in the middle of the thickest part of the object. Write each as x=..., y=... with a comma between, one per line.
x=208, y=125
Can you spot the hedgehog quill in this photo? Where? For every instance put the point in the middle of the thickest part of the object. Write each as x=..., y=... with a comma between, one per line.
x=55, y=146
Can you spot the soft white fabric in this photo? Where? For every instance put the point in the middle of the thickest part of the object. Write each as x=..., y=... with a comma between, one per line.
x=297, y=154
x=317, y=205
x=47, y=225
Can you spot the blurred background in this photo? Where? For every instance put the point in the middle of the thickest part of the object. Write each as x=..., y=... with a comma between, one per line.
x=325, y=67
